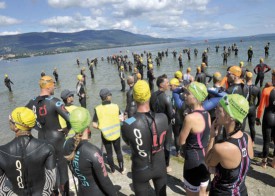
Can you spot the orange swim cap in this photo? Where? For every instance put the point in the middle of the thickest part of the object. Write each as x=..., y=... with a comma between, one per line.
x=46, y=82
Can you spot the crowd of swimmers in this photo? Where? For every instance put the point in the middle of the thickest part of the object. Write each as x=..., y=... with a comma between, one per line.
x=206, y=125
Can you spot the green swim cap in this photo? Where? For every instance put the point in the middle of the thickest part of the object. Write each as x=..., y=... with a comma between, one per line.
x=236, y=106
x=80, y=119
x=198, y=90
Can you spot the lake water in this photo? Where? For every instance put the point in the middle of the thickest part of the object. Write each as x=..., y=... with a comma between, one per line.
x=25, y=73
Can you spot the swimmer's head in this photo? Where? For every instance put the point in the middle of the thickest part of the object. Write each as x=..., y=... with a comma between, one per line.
x=150, y=66
x=261, y=60
x=79, y=77
x=249, y=75
x=203, y=65
x=198, y=90
x=130, y=80
x=6, y=75
x=80, y=119
x=241, y=64
x=188, y=70
x=236, y=106
x=175, y=82
x=217, y=76
x=178, y=75
x=46, y=82
x=121, y=68
x=141, y=92
x=23, y=118
x=235, y=70
x=138, y=76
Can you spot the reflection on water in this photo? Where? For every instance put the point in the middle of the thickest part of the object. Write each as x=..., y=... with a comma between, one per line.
x=25, y=73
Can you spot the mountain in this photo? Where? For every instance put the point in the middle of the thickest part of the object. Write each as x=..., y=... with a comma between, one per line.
x=67, y=42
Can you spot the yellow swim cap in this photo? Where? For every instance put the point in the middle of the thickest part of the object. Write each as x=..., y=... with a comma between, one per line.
x=46, y=82
x=198, y=69
x=138, y=76
x=203, y=65
x=174, y=81
x=23, y=118
x=6, y=75
x=261, y=60
x=141, y=91
x=150, y=66
x=79, y=77
x=235, y=70
x=236, y=106
x=217, y=76
x=178, y=74
x=121, y=68
x=249, y=74
x=150, y=60
x=241, y=64
x=198, y=90
x=189, y=69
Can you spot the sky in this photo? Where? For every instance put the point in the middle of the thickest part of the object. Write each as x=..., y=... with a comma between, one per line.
x=157, y=18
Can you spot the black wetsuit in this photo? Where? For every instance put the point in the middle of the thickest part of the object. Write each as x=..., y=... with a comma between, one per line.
x=266, y=51
x=267, y=104
x=131, y=107
x=55, y=74
x=249, y=54
x=241, y=89
x=30, y=166
x=91, y=68
x=122, y=81
x=84, y=77
x=151, y=78
x=204, y=70
x=47, y=109
x=229, y=182
x=8, y=82
x=80, y=91
x=260, y=71
x=195, y=170
x=254, y=94
x=88, y=166
x=205, y=58
x=145, y=133
x=161, y=103
x=180, y=62
x=201, y=77
x=225, y=55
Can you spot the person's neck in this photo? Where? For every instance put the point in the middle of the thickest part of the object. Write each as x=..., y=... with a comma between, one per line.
x=85, y=135
x=217, y=84
x=238, y=81
x=249, y=83
x=197, y=106
x=161, y=89
x=143, y=107
x=43, y=92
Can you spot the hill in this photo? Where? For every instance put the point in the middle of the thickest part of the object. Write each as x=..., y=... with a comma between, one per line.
x=67, y=42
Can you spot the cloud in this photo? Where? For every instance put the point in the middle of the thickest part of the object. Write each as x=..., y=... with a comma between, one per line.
x=81, y=3
x=124, y=24
x=9, y=33
x=5, y=21
x=228, y=27
x=74, y=23
x=2, y=5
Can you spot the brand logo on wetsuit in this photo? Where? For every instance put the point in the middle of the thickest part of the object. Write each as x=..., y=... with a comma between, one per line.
x=244, y=152
x=101, y=161
x=75, y=165
x=19, y=178
x=139, y=143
